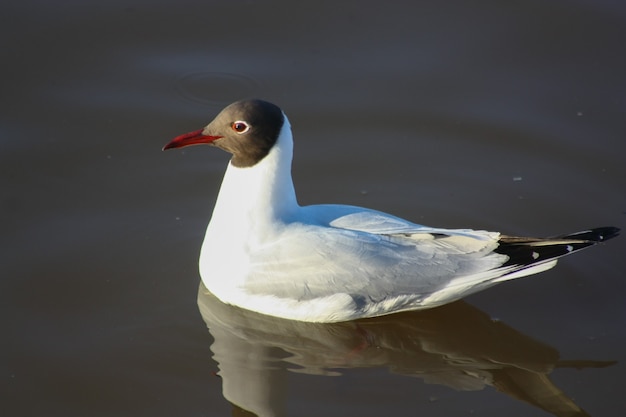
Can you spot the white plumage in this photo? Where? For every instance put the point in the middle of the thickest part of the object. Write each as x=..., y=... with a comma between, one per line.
x=328, y=263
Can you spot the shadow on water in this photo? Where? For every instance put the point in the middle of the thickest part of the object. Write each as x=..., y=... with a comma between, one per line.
x=457, y=346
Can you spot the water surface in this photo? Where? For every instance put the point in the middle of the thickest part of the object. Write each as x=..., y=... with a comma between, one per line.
x=500, y=116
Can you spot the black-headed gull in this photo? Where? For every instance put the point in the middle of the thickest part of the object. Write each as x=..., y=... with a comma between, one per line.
x=330, y=263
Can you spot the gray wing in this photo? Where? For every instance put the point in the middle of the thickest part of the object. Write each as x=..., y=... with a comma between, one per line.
x=367, y=253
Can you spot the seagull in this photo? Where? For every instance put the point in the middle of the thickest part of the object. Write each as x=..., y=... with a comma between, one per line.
x=331, y=263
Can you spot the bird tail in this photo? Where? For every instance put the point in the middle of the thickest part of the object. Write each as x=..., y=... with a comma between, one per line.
x=531, y=255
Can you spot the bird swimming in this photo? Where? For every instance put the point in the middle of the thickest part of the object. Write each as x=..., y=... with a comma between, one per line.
x=328, y=263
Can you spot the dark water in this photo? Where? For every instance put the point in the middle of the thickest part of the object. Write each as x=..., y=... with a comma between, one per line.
x=507, y=116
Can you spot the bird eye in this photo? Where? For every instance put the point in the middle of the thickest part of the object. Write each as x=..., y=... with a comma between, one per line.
x=240, y=126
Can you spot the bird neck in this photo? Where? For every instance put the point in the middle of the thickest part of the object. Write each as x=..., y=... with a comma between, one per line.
x=260, y=194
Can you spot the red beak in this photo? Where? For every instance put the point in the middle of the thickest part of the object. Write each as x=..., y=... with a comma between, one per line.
x=191, y=138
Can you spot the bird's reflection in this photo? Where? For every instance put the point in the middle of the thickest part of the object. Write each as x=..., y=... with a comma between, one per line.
x=456, y=345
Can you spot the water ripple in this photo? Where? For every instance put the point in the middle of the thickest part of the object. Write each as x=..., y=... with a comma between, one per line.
x=216, y=87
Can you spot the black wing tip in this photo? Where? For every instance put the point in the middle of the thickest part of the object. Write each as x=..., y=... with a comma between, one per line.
x=530, y=251
x=598, y=234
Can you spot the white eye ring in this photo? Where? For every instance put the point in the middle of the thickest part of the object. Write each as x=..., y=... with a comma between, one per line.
x=240, y=126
